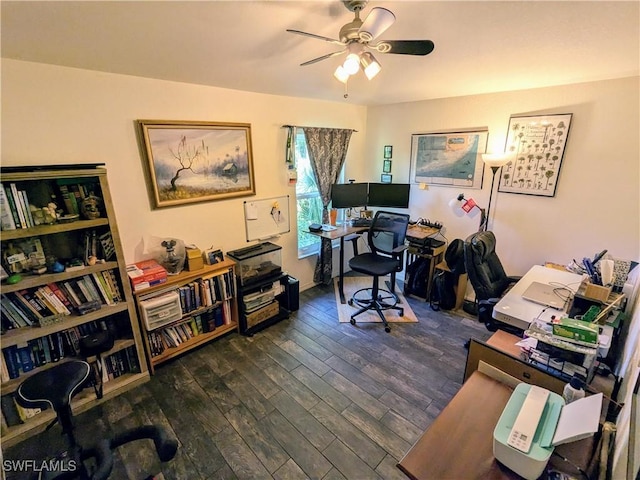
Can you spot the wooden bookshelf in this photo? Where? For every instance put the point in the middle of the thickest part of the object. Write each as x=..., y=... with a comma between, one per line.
x=65, y=241
x=173, y=283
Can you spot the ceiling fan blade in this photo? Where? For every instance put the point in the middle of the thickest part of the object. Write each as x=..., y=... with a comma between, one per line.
x=405, y=47
x=324, y=57
x=378, y=20
x=313, y=35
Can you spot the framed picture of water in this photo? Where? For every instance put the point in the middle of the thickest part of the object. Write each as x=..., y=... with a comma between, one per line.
x=449, y=158
x=189, y=162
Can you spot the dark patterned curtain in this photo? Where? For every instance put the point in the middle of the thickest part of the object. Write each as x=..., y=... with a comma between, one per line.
x=327, y=149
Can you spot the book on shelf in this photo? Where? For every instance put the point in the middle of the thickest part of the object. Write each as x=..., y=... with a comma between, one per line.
x=98, y=282
x=10, y=411
x=13, y=207
x=11, y=361
x=27, y=208
x=69, y=200
x=93, y=290
x=62, y=296
x=59, y=306
x=112, y=281
x=15, y=315
x=25, y=306
x=6, y=216
x=17, y=200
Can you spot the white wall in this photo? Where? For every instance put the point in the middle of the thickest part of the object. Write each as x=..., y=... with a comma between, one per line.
x=59, y=115
x=597, y=201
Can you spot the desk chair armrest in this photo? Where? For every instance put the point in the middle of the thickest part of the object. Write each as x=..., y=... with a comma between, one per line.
x=399, y=249
x=513, y=279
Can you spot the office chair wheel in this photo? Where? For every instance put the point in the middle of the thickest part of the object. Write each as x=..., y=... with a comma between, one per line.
x=387, y=329
x=353, y=321
x=401, y=312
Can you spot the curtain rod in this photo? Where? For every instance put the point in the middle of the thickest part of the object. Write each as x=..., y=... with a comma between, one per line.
x=301, y=126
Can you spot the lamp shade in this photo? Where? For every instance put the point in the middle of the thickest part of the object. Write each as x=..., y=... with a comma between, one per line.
x=378, y=20
x=496, y=160
x=341, y=74
x=370, y=65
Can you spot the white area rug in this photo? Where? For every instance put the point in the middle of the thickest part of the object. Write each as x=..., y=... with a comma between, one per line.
x=351, y=285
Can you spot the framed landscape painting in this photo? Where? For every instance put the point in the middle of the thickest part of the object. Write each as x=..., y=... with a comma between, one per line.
x=449, y=158
x=189, y=162
x=538, y=143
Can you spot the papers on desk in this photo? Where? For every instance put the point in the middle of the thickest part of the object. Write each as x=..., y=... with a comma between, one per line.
x=328, y=228
x=578, y=420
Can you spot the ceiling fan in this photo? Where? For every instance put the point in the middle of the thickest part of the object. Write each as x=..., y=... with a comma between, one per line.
x=357, y=39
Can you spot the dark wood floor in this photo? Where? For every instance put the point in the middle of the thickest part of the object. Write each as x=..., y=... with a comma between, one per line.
x=305, y=398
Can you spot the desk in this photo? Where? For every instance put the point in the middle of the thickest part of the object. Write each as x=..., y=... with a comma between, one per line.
x=459, y=443
x=514, y=310
x=341, y=232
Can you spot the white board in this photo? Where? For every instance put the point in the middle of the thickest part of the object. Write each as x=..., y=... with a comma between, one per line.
x=266, y=218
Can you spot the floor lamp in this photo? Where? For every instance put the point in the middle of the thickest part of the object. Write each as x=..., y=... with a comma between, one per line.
x=495, y=161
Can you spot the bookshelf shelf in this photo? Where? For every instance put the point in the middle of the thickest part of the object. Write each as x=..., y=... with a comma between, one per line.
x=224, y=272
x=41, y=230
x=27, y=348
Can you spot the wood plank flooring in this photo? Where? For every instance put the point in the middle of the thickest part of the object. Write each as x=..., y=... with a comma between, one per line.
x=305, y=398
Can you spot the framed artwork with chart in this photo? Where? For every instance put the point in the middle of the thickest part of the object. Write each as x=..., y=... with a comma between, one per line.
x=537, y=143
x=449, y=158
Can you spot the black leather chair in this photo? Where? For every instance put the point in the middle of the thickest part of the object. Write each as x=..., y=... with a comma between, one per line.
x=487, y=277
x=385, y=237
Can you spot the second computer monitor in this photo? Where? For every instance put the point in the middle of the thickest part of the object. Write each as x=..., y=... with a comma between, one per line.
x=394, y=195
x=348, y=195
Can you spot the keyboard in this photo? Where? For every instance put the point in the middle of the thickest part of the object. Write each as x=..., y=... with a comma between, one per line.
x=361, y=222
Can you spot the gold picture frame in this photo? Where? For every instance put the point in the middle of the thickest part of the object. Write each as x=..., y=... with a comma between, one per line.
x=191, y=162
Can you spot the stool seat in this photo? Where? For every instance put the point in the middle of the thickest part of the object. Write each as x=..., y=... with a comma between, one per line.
x=53, y=387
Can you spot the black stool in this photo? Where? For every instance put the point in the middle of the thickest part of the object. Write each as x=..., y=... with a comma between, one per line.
x=55, y=387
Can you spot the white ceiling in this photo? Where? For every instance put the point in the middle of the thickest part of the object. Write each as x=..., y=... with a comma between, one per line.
x=480, y=46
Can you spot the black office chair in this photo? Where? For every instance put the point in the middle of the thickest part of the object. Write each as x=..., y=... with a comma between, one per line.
x=487, y=277
x=55, y=388
x=386, y=243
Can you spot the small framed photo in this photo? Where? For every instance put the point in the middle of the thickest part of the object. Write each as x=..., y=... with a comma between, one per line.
x=366, y=214
x=388, y=151
x=386, y=166
x=213, y=256
x=385, y=178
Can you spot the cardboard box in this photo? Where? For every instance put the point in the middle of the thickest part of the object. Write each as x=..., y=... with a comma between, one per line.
x=145, y=274
x=577, y=331
x=597, y=292
x=194, y=259
x=263, y=314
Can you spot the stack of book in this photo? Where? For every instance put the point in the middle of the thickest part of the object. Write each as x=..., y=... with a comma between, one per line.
x=174, y=335
x=48, y=303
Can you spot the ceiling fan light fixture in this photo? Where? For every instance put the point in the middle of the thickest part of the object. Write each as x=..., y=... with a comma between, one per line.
x=378, y=20
x=341, y=74
x=370, y=65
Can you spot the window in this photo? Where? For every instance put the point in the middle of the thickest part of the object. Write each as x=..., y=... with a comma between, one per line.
x=309, y=204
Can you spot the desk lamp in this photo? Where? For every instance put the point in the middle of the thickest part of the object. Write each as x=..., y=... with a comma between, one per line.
x=495, y=161
x=467, y=206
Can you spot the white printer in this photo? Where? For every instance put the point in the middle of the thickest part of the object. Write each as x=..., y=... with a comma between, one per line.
x=536, y=420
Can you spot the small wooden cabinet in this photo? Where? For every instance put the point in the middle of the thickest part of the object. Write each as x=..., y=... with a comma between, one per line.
x=48, y=337
x=208, y=309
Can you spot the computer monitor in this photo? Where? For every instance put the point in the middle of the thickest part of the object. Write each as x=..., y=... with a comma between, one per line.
x=348, y=195
x=394, y=195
